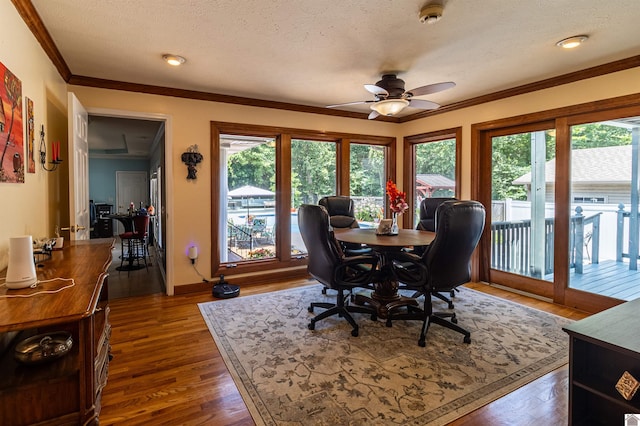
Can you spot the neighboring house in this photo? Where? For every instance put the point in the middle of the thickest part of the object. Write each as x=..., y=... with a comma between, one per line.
x=428, y=184
x=598, y=175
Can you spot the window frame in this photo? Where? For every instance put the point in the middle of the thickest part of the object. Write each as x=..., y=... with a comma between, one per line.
x=410, y=144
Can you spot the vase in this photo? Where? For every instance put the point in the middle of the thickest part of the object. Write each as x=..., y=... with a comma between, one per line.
x=394, y=224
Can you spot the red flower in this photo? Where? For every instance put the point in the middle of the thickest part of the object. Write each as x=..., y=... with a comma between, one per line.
x=397, y=202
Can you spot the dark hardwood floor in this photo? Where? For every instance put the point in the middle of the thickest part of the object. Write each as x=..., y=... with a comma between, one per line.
x=140, y=282
x=167, y=370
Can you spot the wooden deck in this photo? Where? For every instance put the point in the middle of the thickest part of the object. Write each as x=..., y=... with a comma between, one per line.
x=608, y=278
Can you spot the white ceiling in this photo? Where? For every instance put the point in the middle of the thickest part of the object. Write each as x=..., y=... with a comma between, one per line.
x=321, y=52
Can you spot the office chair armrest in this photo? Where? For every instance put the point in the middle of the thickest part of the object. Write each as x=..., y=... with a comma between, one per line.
x=408, y=269
x=356, y=271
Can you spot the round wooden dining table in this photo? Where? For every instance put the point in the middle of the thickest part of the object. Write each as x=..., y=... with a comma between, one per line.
x=385, y=297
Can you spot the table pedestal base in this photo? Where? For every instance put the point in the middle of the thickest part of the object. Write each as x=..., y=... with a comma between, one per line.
x=384, y=306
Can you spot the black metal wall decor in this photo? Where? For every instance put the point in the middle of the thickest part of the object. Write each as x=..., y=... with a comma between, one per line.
x=191, y=158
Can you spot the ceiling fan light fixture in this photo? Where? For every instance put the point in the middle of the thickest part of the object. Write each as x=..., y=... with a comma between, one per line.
x=390, y=106
x=174, y=60
x=572, y=42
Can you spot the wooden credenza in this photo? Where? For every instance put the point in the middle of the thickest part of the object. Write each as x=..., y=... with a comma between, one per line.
x=66, y=390
x=602, y=347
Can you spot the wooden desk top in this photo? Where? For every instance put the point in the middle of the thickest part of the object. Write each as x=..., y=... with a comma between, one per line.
x=405, y=237
x=86, y=262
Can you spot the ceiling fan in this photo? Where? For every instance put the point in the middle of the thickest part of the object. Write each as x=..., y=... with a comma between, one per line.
x=391, y=98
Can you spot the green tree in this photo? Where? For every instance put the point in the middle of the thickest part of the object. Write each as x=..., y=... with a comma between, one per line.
x=254, y=166
x=313, y=171
x=366, y=174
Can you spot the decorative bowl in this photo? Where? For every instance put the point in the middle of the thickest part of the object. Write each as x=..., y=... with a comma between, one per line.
x=43, y=347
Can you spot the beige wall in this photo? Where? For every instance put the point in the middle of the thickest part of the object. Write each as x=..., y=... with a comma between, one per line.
x=36, y=206
x=33, y=207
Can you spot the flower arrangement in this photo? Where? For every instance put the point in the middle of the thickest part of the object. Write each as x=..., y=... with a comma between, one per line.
x=261, y=253
x=397, y=202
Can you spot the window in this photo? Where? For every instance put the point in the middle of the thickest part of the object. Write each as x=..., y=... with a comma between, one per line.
x=260, y=176
x=367, y=182
x=433, y=160
x=309, y=182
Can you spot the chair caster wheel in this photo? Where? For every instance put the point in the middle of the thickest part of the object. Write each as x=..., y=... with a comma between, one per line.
x=450, y=305
x=312, y=325
x=454, y=320
x=388, y=323
x=324, y=290
x=467, y=339
x=310, y=309
x=422, y=343
x=354, y=332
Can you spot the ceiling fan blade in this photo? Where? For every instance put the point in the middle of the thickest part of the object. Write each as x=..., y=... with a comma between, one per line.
x=373, y=114
x=376, y=90
x=349, y=103
x=423, y=104
x=430, y=88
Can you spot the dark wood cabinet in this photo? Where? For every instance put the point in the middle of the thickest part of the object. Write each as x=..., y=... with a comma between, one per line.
x=602, y=347
x=66, y=390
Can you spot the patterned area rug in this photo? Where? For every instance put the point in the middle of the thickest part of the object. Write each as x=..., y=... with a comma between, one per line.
x=289, y=375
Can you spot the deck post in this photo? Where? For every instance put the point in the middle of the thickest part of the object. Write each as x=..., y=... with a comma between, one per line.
x=620, y=233
x=579, y=240
x=538, y=199
x=633, y=220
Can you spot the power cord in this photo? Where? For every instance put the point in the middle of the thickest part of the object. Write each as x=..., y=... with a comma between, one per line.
x=11, y=296
x=204, y=279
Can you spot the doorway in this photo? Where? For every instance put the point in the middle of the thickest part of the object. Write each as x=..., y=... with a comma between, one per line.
x=125, y=151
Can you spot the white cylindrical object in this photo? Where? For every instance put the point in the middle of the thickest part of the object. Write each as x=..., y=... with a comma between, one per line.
x=21, y=272
x=193, y=252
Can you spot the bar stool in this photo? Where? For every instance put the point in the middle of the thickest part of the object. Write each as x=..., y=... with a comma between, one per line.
x=135, y=243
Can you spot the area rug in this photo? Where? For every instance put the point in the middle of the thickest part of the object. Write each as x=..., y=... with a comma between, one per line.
x=290, y=375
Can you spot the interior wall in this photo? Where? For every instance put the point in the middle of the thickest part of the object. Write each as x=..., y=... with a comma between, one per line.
x=36, y=206
x=102, y=177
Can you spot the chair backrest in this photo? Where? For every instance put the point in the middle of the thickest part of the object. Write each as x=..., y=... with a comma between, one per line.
x=448, y=257
x=428, y=208
x=140, y=225
x=341, y=211
x=322, y=248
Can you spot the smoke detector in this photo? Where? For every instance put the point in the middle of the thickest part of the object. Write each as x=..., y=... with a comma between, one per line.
x=431, y=13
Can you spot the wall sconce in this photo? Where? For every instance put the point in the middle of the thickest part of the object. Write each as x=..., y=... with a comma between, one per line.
x=191, y=158
x=55, y=153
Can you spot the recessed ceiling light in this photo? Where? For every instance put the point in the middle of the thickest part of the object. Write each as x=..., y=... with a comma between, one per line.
x=174, y=60
x=572, y=42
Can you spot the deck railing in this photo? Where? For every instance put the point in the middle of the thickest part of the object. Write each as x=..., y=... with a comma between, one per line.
x=632, y=241
x=511, y=244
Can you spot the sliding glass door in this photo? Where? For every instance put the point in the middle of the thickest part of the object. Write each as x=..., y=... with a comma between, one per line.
x=563, y=200
x=604, y=208
x=522, y=204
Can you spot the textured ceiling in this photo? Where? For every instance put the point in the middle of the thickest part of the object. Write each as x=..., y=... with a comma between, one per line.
x=321, y=52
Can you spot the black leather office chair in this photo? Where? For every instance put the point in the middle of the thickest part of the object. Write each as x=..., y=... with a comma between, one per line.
x=341, y=211
x=427, y=222
x=328, y=265
x=445, y=264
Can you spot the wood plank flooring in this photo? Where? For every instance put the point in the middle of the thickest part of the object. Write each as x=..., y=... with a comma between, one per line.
x=167, y=370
